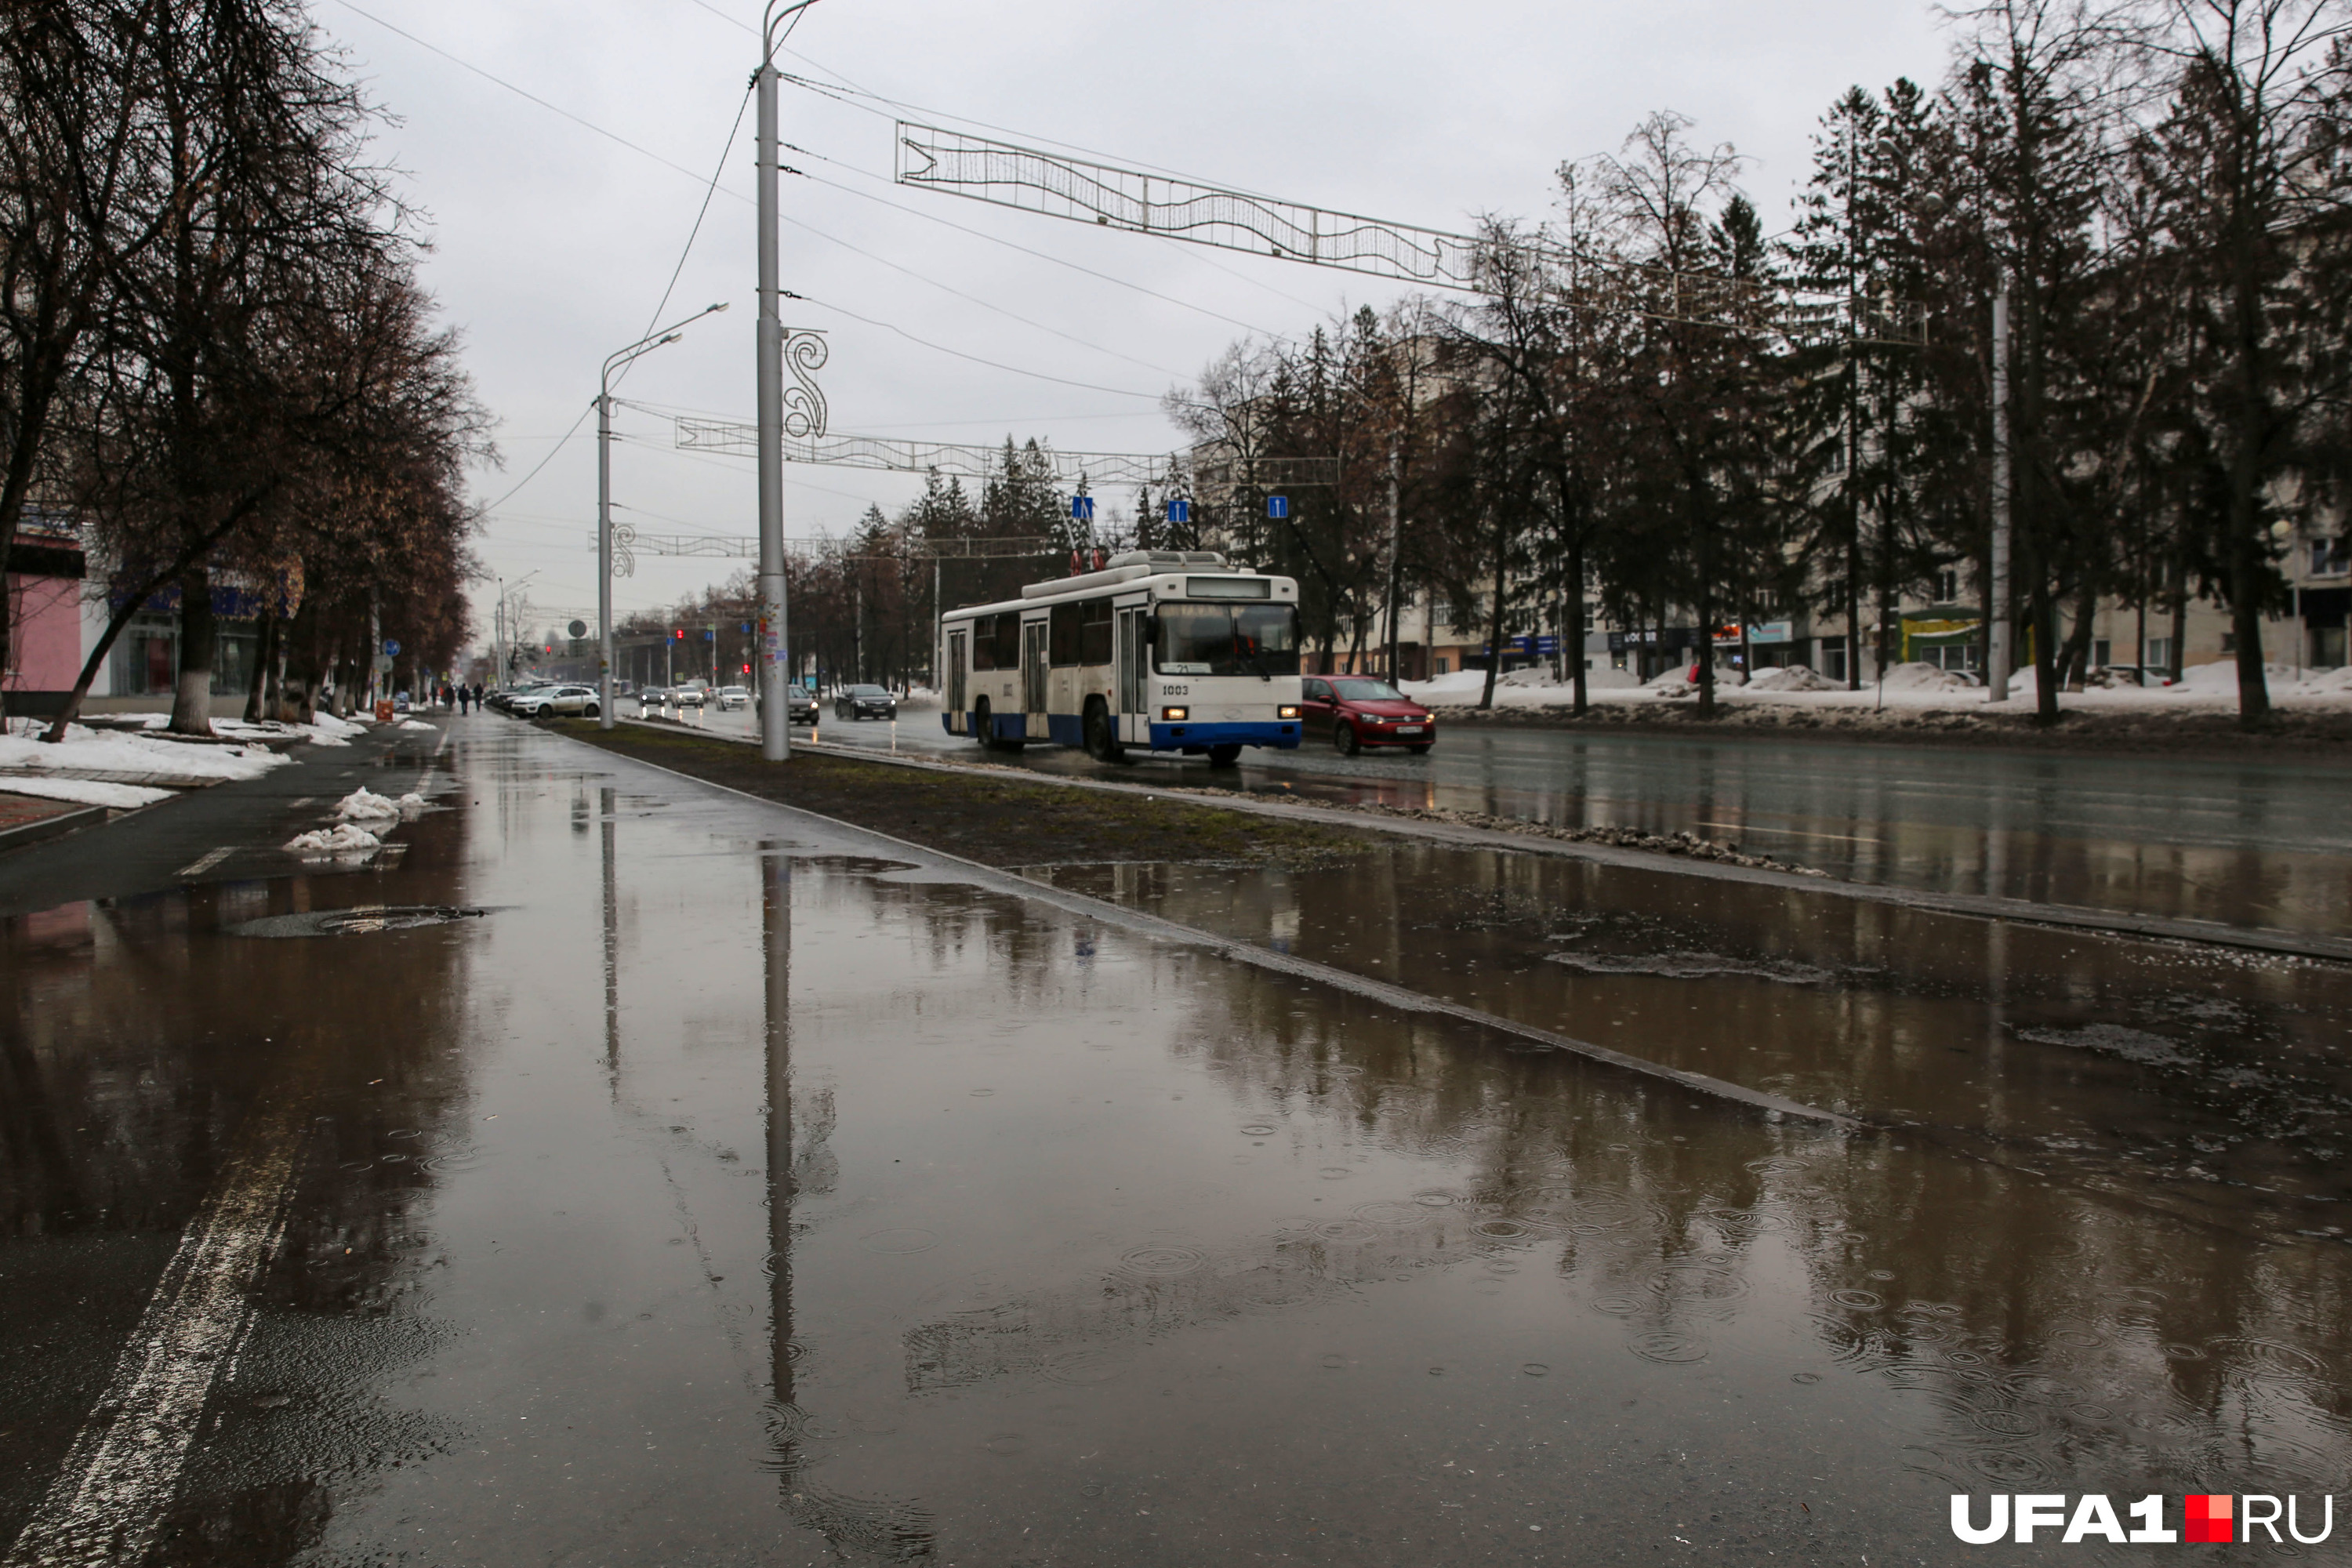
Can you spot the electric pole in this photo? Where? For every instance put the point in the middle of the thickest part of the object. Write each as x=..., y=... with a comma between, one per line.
x=1998, y=657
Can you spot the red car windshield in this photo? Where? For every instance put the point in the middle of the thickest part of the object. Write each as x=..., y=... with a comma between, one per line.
x=1367, y=691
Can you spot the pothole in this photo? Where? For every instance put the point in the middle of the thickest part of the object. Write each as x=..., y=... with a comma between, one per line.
x=360, y=920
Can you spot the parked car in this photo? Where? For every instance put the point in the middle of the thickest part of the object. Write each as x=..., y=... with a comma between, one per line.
x=400, y=701
x=865, y=702
x=732, y=697
x=573, y=701
x=503, y=700
x=1357, y=712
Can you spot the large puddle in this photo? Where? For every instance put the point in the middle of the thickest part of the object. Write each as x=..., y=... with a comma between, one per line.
x=728, y=1195
x=2204, y=1077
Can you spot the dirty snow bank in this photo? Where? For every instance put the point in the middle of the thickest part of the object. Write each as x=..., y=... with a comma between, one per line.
x=129, y=758
x=84, y=792
x=342, y=839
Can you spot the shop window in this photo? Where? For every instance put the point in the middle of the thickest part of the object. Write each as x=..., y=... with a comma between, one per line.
x=1441, y=666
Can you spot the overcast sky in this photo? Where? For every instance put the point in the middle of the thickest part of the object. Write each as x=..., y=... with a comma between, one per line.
x=555, y=241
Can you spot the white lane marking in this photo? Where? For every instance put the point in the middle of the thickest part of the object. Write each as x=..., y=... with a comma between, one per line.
x=107, y=1502
x=206, y=862
x=301, y=799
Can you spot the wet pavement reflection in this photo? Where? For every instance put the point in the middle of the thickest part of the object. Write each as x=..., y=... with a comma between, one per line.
x=2211, y=1081
x=728, y=1193
x=2254, y=843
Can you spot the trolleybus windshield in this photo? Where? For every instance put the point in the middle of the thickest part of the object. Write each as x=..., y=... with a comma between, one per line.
x=1227, y=639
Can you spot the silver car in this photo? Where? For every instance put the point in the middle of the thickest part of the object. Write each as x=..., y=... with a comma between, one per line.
x=572, y=702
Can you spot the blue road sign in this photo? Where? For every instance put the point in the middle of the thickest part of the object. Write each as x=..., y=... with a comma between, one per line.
x=1179, y=512
x=391, y=647
x=710, y=634
x=1277, y=507
x=1082, y=508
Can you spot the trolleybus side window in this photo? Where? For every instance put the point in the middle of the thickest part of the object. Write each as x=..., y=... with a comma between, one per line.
x=1221, y=639
x=1094, y=632
x=983, y=642
x=1066, y=636
x=1008, y=642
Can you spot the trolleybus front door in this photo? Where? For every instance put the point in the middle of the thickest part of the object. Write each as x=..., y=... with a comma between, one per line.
x=1033, y=669
x=1135, y=720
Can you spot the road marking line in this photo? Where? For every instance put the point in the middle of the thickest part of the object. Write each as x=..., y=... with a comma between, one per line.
x=107, y=1502
x=301, y=799
x=204, y=862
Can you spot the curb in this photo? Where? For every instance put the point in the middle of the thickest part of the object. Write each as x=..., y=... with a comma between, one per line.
x=24, y=835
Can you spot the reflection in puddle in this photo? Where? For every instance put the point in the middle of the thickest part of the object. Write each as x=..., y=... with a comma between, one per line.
x=681, y=1228
x=2207, y=1077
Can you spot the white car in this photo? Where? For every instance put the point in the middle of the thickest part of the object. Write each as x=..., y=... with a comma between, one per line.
x=577, y=700
x=691, y=695
x=728, y=696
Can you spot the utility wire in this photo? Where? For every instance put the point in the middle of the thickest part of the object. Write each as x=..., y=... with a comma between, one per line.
x=976, y=359
x=707, y=191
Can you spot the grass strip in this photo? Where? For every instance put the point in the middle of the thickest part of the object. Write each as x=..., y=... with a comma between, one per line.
x=995, y=821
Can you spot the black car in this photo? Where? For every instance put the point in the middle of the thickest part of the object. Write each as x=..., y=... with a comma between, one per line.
x=865, y=702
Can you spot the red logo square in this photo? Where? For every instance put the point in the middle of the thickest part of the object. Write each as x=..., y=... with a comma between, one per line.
x=2208, y=1517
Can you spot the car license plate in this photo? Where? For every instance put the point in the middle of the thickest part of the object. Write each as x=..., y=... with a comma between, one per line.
x=1408, y=730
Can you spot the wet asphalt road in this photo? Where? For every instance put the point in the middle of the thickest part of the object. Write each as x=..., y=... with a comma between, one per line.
x=732, y=1188
x=2256, y=844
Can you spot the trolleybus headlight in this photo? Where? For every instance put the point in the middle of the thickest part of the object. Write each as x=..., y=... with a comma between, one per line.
x=1175, y=715
x=1288, y=711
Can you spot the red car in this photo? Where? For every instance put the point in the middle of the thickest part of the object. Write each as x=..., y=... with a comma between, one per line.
x=1357, y=712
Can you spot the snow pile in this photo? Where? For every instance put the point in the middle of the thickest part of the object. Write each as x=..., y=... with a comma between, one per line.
x=342, y=839
x=1790, y=677
x=86, y=791
x=364, y=805
x=129, y=757
x=415, y=724
x=2219, y=679
x=2329, y=682
x=1916, y=676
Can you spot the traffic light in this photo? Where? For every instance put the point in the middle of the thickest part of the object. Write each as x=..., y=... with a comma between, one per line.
x=678, y=633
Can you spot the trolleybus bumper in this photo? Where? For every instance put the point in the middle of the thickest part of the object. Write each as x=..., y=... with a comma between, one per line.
x=1195, y=738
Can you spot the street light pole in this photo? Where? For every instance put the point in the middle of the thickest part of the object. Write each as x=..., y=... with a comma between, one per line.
x=775, y=734
x=645, y=346
x=1998, y=656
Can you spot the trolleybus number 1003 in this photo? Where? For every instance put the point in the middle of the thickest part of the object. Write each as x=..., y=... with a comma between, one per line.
x=1087, y=660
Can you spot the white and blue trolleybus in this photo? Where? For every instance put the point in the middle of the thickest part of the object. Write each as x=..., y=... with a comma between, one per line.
x=1159, y=651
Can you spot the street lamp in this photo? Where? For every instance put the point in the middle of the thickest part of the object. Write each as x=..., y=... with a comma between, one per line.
x=506, y=634
x=642, y=347
x=775, y=734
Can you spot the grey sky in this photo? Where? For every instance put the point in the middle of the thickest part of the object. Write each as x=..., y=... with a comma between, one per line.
x=553, y=243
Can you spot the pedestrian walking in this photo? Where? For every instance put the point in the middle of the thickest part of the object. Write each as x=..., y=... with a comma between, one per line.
x=464, y=697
